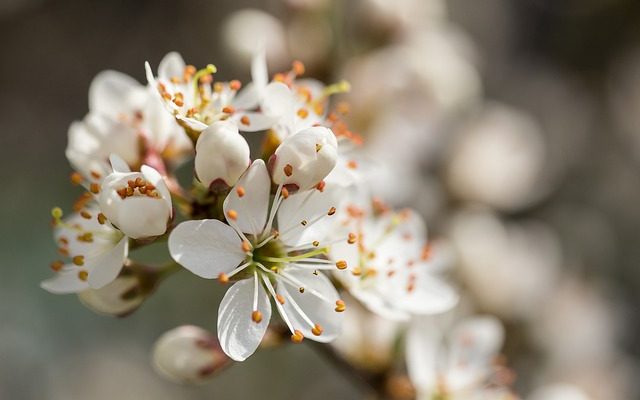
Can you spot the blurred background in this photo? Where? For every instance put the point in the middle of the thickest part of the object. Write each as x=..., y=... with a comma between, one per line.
x=512, y=126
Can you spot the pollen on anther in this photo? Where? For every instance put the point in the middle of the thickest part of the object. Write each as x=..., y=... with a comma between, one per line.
x=245, y=120
x=232, y=214
x=256, y=316
x=83, y=275
x=315, y=243
x=223, y=278
x=317, y=330
x=340, y=306
x=76, y=178
x=341, y=264
x=301, y=289
x=320, y=186
x=94, y=188
x=85, y=214
x=288, y=170
x=280, y=298
x=228, y=110
x=352, y=164
x=297, y=336
x=304, y=222
x=246, y=246
x=235, y=84
x=352, y=238
x=285, y=193
x=302, y=113
x=78, y=260
x=298, y=67
x=332, y=211
x=57, y=265
x=101, y=219
x=240, y=191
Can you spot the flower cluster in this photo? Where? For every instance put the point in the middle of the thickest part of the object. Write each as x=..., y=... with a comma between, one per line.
x=292, y=227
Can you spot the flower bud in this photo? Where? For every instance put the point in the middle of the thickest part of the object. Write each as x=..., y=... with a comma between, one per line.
x=137, y=203
x=119, y=298
x=188, y=354
x=222, y=154
x=305, y=158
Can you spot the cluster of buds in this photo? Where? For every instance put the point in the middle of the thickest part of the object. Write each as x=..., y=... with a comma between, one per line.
x=292, y=228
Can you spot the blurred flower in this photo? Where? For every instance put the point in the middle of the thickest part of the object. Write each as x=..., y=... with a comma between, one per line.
x=260, y=258
x=390, y=269
x=372, y=352
x=498, y=159
x=188, y=354
x=465, y=369
x=558, y=392
x=506, y=266
x=248, y=31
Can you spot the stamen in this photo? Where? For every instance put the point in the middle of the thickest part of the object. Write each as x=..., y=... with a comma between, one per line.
x=240, y=191
x=76, y=178
x=256, y=316
x=280, y=298
x=288, y=170
x=85, y=214
x=340, y=306
x=283, y=314
x=352, y=238
x=342, y=264
x=232, y=214
x=78, y=260
x=102, y=218
x=223, y=278
x=317, y=330
x=57, y=265
x=94, y=188
x=245, y=120
x=297, y=337
x=83, y=275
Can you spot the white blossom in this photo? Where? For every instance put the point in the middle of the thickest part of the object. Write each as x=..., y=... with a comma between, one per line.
x=222, y=154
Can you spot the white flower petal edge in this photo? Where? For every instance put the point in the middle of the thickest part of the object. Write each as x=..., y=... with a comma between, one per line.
x=247, y=205
x=424, y=338
x=238, y=333
x=206, y=247
x=105, y=269
x=65, y=281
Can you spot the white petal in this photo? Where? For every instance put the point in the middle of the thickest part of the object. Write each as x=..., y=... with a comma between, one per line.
x=157, y=180
x=259, y=73
x=118, y=164
x=423, y=346
x=110, y=91
x=143, y=217
x=105, y=268
x=257, y=121
x=206, y=247
x=318, y=310
x=475, y=342
x=238, y=334
x=430, y=295
x=64, y=282
x=252, y=207
x=171, y=65
x=278, y=101
x=193, y=123
x=378, y=304
x=247, y=98
x=307, y=206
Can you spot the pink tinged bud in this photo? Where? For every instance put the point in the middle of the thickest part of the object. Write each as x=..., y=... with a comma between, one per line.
x=305, y=158
x=188, y=354
x=222, y=154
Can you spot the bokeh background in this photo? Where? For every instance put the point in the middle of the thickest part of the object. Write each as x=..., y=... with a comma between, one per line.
x=545, y=220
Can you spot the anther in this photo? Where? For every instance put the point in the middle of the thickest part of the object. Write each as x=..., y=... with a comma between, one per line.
x=95, y=175
x=301, y=289
x=246, y=246
x=240, y=191
x=57, y=265
x=101, y=219
x=223, y=278
x=352, y=164
x=256, y=316
x=332, y=211
x=302, y=113
x=304, y=222
x=280, y=298
x=56, y=213
x=235, y=84
x=232, y=214
x=340, y=306
x=317, y=330
x=320, y=186
x=94, y=188
x=76, y=178
x=298, y=67
x=352, y=238
x=228, y=110
x=83, y=275
x=297, y=336
x=426, y=252
x=78, y=260
x=285, y=192
x=318, y=147
x=288, y=170
x=245, y=120
x=315, y=243
x=85, y=214
x=342, y=264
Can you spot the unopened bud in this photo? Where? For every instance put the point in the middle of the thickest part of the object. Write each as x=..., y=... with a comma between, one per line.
x=188, y=354
x=221, y=154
